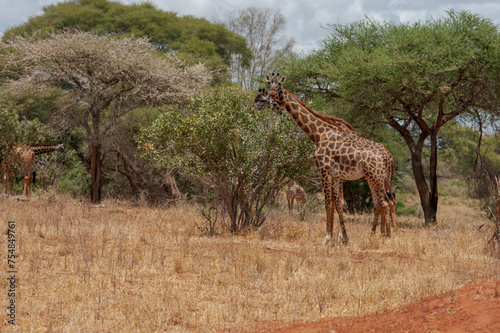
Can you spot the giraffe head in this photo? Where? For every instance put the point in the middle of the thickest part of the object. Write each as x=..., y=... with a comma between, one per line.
x=275, y=88
x=264, y=100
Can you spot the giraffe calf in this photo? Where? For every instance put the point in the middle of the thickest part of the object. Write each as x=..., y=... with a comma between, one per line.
x=295, y=192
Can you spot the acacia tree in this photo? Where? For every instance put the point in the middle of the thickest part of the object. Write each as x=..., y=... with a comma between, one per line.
x=416, y=78
x=104, y=78
x=263, y=31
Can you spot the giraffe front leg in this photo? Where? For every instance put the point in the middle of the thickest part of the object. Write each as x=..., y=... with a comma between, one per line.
x=329, y=221
x=329, y=208
x=338, y=199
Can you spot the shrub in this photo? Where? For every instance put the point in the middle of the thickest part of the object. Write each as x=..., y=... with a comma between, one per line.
x=244, y=156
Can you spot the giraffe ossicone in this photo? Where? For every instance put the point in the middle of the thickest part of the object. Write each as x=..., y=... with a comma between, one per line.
x=340, y=155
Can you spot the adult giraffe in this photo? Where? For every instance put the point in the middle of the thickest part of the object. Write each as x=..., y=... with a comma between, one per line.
x=342, y=155
x=264, y=100
x=23, y=157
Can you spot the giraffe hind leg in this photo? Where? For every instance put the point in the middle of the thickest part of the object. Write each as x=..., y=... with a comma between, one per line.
x=381, y=207
x=392, y=209
x=339, y=204
x=376, y=214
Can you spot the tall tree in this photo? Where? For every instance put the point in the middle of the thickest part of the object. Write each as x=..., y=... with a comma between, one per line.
x=104, y=78
x=263, y=30
x=191, y=39
x=415, y=77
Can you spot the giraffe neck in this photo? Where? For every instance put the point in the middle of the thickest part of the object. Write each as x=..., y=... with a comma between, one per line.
x=44, y=149
x=309, y=121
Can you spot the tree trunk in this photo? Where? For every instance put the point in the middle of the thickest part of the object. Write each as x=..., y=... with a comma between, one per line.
x=95, y=173
x=433, y=180
x=428, y=197
x=428, y=202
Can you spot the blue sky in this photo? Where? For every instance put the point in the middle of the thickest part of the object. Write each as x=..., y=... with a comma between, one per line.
x=305, y=19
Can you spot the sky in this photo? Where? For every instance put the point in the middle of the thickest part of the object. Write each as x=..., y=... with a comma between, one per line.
x=307, y=20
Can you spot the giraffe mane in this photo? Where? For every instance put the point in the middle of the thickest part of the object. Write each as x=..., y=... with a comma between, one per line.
x=327, y=118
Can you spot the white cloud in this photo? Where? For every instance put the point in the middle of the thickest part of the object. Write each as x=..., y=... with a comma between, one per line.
x=305, y=18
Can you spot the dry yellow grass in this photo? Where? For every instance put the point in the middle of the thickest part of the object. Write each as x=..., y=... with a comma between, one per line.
x=135, y=269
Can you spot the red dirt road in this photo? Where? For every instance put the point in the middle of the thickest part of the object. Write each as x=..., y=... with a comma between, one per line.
x=472, y=308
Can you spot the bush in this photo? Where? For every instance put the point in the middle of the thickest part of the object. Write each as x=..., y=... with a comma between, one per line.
x=401, y=209
x=244, y=156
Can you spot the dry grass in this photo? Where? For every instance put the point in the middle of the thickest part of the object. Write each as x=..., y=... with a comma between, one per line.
x=134, y=269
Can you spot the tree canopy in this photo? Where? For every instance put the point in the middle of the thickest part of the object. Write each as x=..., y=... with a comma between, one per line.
x=103, y=79
x=415, y=77
x=192, y=39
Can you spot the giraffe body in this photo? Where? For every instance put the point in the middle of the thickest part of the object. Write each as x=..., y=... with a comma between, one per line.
x=295, y=192
x=23, y=159
x=340, y=155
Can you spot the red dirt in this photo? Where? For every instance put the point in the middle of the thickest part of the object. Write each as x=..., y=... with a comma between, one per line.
x=474, y=307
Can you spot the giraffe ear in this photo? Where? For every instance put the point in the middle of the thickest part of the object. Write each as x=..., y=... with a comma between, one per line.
x=283, y=79
x=266, y=77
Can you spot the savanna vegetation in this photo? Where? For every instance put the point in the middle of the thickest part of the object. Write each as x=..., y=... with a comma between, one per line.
x=193, y=232
x=127, y=267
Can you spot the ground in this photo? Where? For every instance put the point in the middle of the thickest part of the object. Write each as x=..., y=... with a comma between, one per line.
x=472, y=308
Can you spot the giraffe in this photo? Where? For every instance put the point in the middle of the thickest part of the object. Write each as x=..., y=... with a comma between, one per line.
x=23, y=157
x=342, y=155
x=295, y=191
x=264, y=100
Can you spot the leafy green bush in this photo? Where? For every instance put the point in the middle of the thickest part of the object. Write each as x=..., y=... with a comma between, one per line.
x=244, y=156
x=401, y=209
x=76, y=181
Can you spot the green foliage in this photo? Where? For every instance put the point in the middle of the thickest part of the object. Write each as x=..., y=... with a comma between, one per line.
x=246, y=156
x=357, y=196
x=192, y=39
x=401, y=209
x=15, y=131
x=460, y=152
x=75, y=181
x=403, y=63
x=414, y=77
